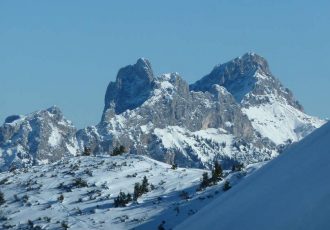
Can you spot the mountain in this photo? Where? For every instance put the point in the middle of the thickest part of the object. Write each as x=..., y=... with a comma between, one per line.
x=271, y=107
x=38, y=138
x=238, y=113
x=173, y=124
x=287, y=193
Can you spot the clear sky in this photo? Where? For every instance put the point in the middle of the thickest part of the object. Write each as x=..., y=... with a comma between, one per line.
x=66, y=52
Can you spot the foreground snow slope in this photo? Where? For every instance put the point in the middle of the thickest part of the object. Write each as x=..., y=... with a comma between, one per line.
x=291, y=192
x=32, y=193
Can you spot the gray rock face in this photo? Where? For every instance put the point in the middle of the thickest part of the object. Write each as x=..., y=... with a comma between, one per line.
x=249, y=80
x=132, y=87
x=41, y=137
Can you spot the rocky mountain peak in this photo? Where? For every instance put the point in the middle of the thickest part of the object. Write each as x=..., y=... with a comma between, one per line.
x=55, y=110
x=40, y=137
x=131, y=88
x=237, y=75
x=254, y=62
x=249, y=79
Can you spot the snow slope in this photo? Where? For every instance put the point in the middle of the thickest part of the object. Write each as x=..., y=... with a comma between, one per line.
x=32, y=193
x=280, y=122
x=291, y=192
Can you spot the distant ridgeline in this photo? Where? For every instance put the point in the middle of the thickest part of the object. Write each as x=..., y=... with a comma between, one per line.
x=238, y=113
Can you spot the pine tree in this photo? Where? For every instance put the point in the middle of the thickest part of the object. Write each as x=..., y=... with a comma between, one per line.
x=118, y=150
x=121, y=149
x=226, y=186
x=137, y=191
x=144, y=186
x=205, y=181
x=216, y=172
x=61, y=198
x=122, y=199
x=2, y=198
x=87, y=151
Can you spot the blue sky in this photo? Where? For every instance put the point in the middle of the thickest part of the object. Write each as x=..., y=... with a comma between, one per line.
x=66, y=52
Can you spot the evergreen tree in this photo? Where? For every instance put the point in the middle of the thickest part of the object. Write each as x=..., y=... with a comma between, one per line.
x=2, y=198
x=144, y=186
x=205, y=181
x=118, y=150
x=121, y=149
x=237, y=167
x=137, y=191
x=122, y=199
x=174, y=166
x=216, y=172
x=87, y=151
x=226, y=186
x=61, y=198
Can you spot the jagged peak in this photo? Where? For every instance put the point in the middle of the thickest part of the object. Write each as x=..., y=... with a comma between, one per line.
x=144, y=62
x=142, y=69
x=132, y=87
x=54, y=110
x=248, y=62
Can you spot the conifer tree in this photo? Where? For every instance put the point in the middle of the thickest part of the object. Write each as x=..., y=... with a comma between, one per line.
x=205, y=181
x=144, y=186
x=2, y=198
x=137, y=191
x=216, y=172
x=226, y=186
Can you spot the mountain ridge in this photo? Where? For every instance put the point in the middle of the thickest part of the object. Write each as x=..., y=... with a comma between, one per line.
x=213, y=119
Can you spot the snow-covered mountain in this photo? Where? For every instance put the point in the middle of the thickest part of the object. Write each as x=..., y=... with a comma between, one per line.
x=290, y=192
x=238, y=113
x=271, y=107
x=37, y=138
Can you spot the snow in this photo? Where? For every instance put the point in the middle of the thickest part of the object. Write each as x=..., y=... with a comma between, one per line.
x=55, y=137
x=110, y=175
x=175, y=137
x=146, y=128
x=280, y=122
x=291, y=192
x=72, y=149
x=92, y=206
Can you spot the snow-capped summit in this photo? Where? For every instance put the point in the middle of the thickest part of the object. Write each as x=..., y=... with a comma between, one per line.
x=272, y=108
x=40, y=137
x=245, y=77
